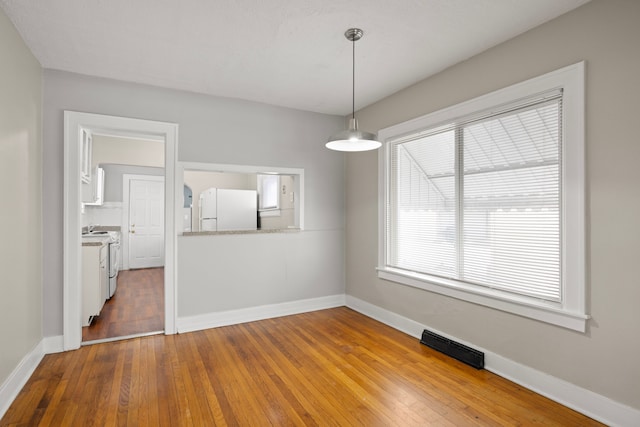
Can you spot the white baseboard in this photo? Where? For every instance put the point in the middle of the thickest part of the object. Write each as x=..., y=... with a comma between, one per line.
x=53, y=344
x=591, y=404
x=251, y=314
x=18, y=378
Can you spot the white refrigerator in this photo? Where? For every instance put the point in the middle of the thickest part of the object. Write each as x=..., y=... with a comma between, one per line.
x=228, y=210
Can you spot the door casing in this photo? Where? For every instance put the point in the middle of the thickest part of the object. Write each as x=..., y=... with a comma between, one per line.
x=74, y=122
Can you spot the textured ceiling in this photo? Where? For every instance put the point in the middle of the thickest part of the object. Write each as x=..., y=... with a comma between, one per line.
x=290, y=53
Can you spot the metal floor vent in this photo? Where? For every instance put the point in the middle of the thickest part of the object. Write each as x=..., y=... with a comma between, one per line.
x=453, y=349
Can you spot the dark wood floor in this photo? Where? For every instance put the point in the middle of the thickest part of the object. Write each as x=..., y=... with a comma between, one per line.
x=136, y=307
x=330, y=368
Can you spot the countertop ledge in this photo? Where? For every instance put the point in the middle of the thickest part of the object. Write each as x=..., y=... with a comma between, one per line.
x=103, y=228
x=95, y=241
x=98, y=240
x=222, y=233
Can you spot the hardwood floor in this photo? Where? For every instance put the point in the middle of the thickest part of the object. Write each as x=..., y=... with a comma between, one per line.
x=328, y=368
x=136, y=307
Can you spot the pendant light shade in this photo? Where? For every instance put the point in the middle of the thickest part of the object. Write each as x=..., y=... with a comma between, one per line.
x=353, y=139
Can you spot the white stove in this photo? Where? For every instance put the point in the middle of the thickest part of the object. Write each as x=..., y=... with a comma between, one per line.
x=114, y=264
x=114, y=256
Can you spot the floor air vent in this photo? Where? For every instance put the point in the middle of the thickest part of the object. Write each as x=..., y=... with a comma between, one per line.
x=456, y=350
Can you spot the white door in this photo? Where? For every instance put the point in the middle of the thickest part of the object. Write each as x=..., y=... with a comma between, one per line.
x=146, y=223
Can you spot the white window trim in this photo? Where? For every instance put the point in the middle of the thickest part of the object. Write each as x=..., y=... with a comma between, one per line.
x=571, y=313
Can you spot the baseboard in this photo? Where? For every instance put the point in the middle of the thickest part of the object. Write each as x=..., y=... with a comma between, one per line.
x=53, y=344
x=19, y=377
x=251, y=314
x=591, y=404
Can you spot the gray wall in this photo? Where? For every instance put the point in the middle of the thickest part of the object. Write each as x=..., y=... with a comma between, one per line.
x=216, y=130
x=113, y=178
x=20, y=199
x=605, y=33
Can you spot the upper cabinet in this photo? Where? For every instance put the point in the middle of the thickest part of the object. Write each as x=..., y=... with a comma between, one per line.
x=92, y=179
x=85, y=157
x=93, y=192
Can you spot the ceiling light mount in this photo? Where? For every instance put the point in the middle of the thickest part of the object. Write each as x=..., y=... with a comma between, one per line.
x=353, y=34
x=353, y=139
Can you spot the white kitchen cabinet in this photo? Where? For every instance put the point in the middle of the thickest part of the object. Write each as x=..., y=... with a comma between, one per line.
x=95, y=279
x=93, y=191
x=86, y=156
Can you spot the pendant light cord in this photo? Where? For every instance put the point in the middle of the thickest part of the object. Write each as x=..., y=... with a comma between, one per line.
x=353, y=139
x=353, y=77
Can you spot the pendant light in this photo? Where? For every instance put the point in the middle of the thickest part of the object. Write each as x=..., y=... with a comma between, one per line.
x=353, y=139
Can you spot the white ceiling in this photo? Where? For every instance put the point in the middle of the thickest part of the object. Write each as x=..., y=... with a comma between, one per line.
x=290, y=53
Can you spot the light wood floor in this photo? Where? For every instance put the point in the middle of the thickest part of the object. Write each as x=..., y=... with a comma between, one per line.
x=136, y=307
x=327, y=368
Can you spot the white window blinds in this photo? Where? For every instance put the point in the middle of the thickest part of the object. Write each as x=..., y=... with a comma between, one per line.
x=479, y=200
x=268, y=192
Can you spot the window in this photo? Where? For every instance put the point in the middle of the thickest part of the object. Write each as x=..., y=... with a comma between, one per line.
x=268, y=192
x=484, y=201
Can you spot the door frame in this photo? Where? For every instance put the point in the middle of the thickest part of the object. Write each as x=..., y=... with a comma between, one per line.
x=124, y=229
x=74, y=122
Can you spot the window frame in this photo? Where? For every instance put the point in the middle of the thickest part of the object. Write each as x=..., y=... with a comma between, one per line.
x=262, y=179
x=571, y=312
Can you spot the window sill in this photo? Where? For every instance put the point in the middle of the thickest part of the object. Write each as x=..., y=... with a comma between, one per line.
x=527, y=307
x=266, y=213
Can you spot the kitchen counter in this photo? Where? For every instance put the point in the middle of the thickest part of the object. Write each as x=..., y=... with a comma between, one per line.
x=102, y=228
x=217, y=233
x=96, y=240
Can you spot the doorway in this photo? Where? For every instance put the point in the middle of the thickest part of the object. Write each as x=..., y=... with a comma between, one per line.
x=74, y=124
x=135, y=304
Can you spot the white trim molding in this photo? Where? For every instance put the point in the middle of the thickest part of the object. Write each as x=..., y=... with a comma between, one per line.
x=571, y=311
x=53, y=344
x=591, y=404
x=490, y=298
x=14, y=383
x=251, y=314
x=74, y=123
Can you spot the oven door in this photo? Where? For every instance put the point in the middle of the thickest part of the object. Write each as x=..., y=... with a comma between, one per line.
x=114, y=267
